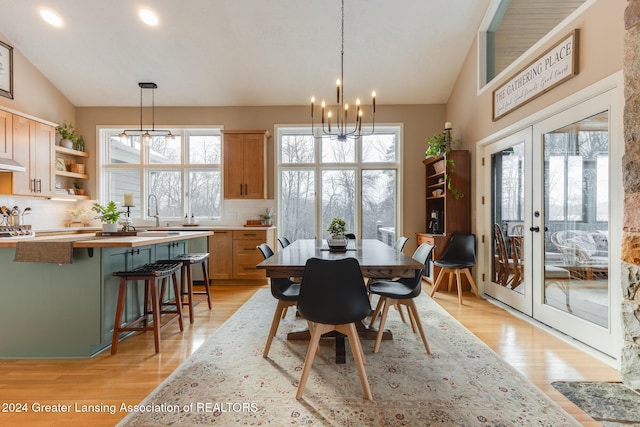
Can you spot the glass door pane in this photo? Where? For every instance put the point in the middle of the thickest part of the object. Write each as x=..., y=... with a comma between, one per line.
x=576, y=188
x=509, y=279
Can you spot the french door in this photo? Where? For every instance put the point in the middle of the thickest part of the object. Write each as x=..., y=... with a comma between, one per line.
x=551, y=199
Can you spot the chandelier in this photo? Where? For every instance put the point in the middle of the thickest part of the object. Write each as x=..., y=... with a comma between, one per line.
x=145, y=134
x=337, y=126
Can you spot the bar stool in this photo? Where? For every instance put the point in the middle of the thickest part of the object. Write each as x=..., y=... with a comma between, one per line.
x=188, y=260
x=151, y=273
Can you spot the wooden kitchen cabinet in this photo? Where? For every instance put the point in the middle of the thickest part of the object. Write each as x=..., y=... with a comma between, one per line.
x=33, y=148
x=6, y=132
x=220, y=255
x=234, y=256
x=244, y=164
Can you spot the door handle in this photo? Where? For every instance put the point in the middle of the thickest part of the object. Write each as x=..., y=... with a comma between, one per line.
x=536, y=229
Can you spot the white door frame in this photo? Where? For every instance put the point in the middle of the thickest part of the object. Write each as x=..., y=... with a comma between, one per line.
x=615, y=84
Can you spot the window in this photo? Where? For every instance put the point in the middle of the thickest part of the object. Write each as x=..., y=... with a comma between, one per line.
x=322, y=178
x=513, y=26
x=183, y=173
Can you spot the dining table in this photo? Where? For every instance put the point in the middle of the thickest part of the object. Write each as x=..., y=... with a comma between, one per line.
x=377, y=261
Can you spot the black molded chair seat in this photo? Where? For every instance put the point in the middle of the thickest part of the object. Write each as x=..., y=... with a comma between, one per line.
x=284, y=242
x=393, y=289
x=453, y=264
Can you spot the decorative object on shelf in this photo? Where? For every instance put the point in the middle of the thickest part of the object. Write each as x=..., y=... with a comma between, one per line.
x=76, y=168
x=76, y=214
x=79, y=187
x=68, y=135
x=60, y=165
x=146, y=134
x=341, y=130
x=266, y=217
x=440, y=145
x=80, y=143
x=109, y=215
x=437, y=193
x=6, y=70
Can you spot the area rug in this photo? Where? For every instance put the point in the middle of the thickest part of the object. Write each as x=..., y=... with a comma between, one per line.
x=462, y=383
x=611, y=404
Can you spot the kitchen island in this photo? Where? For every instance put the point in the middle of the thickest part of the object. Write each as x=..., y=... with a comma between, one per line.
x=67, y=310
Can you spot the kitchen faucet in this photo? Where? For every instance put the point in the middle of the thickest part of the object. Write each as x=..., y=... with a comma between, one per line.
x=157, y=214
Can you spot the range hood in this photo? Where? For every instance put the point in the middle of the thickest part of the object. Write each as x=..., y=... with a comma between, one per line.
x=8, y=165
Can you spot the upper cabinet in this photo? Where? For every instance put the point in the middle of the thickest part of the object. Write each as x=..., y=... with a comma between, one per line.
x=245, y=164
x=33, y=147
x=6, y=144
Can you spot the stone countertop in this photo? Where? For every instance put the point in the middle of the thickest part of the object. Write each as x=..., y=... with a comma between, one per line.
x=93, y=241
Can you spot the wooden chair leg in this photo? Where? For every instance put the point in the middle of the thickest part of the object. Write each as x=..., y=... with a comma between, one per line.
x=176, y=291
x=318, y=330
x=443, y=272
x=411, y=307
x=155, y=308
x=280, y=309
x=471, y=282
x=356, y=348
x=376, y=312
x=459, y=283
x=122, y=290
x=383, y=320
x=205, y=276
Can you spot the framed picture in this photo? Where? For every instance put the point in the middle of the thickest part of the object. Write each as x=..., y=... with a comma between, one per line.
x=6, y=70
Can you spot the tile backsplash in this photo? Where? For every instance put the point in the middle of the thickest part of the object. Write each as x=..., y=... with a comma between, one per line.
x=54, y=214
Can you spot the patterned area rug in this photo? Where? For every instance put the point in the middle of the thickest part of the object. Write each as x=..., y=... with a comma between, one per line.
x=462, y=383
x=611, y=404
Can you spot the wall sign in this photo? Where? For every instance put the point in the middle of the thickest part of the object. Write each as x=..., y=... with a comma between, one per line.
x=550, y=69
x=6, y=70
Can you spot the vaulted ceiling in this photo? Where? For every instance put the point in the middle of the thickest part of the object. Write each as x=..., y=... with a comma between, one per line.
x=245, y=52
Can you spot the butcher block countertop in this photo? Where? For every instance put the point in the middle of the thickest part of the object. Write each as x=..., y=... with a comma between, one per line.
x=87, y=240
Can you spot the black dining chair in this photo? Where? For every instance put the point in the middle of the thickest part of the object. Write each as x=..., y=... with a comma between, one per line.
x=284, y=242
x=400, y=242
x=458, y=257
x=401, y=292
x=285, y=291
x=333, y=297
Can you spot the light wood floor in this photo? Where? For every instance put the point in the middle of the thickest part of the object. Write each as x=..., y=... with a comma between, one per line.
x=136, y=370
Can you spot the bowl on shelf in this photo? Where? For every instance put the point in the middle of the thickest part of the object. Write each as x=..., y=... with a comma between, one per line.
x=437, y=193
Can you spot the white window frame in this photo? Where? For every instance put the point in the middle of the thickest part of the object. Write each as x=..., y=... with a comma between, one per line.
x=102, y=167
x=318, y=166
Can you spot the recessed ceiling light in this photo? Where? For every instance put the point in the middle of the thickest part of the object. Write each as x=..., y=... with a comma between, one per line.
x=148, y=17
x=51, y=17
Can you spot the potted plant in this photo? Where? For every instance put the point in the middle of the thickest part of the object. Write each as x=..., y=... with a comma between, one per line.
x=68, y=135
x=337, y=228
x=79, y=186
x=440, y=145
x=267, y=216
x=76, y=214
x=109, y=215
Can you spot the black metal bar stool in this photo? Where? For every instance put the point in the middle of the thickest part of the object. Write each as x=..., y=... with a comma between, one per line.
x=151, y=273
x=186, y=280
